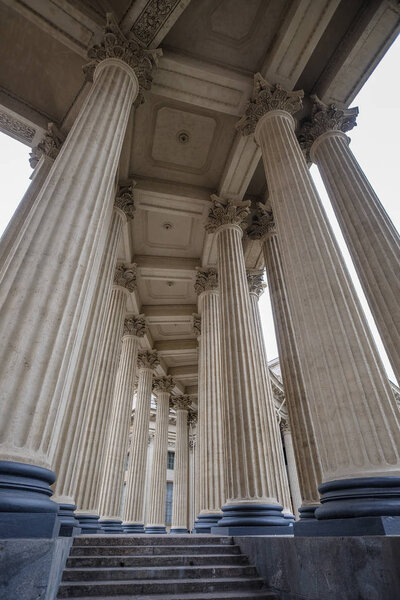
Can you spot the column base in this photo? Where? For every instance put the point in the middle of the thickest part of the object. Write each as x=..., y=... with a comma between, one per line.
x=26, y=510
x=89, y=524
x=252, y=515
x=204, y=523
x=289, y=517
x=155, y=529
x=111, y=525
x=356, y=526
x=179, y=530
x=133, y=528
x=308, y=512
x=69, y=524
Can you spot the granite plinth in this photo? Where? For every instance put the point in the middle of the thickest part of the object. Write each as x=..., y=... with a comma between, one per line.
x=254, y=530
x=347, y=527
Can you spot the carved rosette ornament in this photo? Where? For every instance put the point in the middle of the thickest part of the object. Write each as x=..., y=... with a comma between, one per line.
x=267, y=97
x=125, y=277
x=196, y=324
x=49, y=146
x=163, y=384
x=227, y=211
x=148, y=359
x=135, y=325
x=116, y=45
x=256, y=283
x=324, y=118
x=206, y=280
x=124, y=200
x=263, y=223
x=182, y=402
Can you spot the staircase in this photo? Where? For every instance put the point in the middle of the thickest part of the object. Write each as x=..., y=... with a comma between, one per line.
x=159, y=567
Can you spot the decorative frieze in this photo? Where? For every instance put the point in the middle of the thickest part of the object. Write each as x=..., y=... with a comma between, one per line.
x=325, y=118
x=124, y=199
x=227, y=211
x=49, y=146
x=182, y=402
x=16, y=128
x=196, y=324
x=206, y=280
x=163, y=384
x=152, y=18
x=135, y=325
x=148, y=359
x=262, y=224
x=267, y=97
x=116, y=45
x=125, y=276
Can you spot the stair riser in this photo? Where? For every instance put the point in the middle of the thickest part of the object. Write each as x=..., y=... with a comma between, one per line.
x=77, y=562
x=154, y=540
x=151, y=550
x=157, y=573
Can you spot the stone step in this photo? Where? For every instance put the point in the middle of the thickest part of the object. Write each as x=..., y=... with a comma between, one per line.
x=152, y=573
x=154, y=540
x=149, y=550
x=240, y=595
x=75, y=562
x=159, y=586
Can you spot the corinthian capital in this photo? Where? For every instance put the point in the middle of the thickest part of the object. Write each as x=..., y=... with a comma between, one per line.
x=116, y=45
x=148, y=359
x=226, y=211
x=135, y=325
x=124, y=199
x=255, y=281
x=163, y=384
x=267, y=97
x=325, y=117
x=192, y=418
x=262, y=224
x=182, y=402
x=196, y=324
x=206, y=280
x=125, y=276
x=49, y=146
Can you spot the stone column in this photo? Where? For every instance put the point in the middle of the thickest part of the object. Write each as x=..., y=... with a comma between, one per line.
x=270, y=430
x=307, y=460
x=251, y=504
x=77, y=388
x=291, y=467
x=193, y=477
x=93, y=444
x=210, y=412
x=116, y=447
x=372, y=239
x=355, y=418
x=162, y=387
x=179, y=521
x=135, y=485
x=47, y=288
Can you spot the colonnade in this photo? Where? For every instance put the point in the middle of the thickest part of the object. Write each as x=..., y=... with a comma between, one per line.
x=71, y=352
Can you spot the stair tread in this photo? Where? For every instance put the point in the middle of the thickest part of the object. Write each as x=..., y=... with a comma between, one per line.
x=160, y=567
x=191, y=596
x=116, y=582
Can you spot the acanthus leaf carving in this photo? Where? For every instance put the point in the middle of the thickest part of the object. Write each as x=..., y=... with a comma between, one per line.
x=227, y=211
x=181, y=402
x=196, y=324
x=163, y=384
x=135, y=325
x=206, y=280
x=267, y=97
x=256, y=283
x=193, y=418
x=262, y=223
x=49, y=146
x=125, y=276
x=152, y=18
x=148, y=359
x=124, y=199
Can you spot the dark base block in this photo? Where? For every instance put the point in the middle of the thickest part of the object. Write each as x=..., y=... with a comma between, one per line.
x=111, y=526
x=252, y=515
x=69, y=524
x=347, y=527
x=204, y=523
x=26, y=510
x=249, y=530
x=89, y=524
x=133, y=528
x=308, y=512
x=177, y=530
x=155, y=530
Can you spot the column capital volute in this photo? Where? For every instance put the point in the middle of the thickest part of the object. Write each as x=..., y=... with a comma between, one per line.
x=227, y=212
x=124, y=201
x=163, y=384
x=206, y=280
x=134, y=325
x=263, y=223
x=181, y=402
x=196, y=324
x=50, y=145
x=255, y=281
x=123, y=49
x=125, y=277
x=324, y=118
x=148, y=359
x=265, y=99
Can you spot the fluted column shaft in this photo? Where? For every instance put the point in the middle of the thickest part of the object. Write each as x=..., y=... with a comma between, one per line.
x=271, y=436
x=181, y=471
x=371, y=237
x=307, y=460
x=157, y=493
x=116, y=448
x=356, y=422
x=292, y=470
x=91, y=452
x=136, y=478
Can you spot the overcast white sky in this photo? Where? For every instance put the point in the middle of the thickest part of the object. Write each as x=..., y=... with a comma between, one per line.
x=375, y=143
